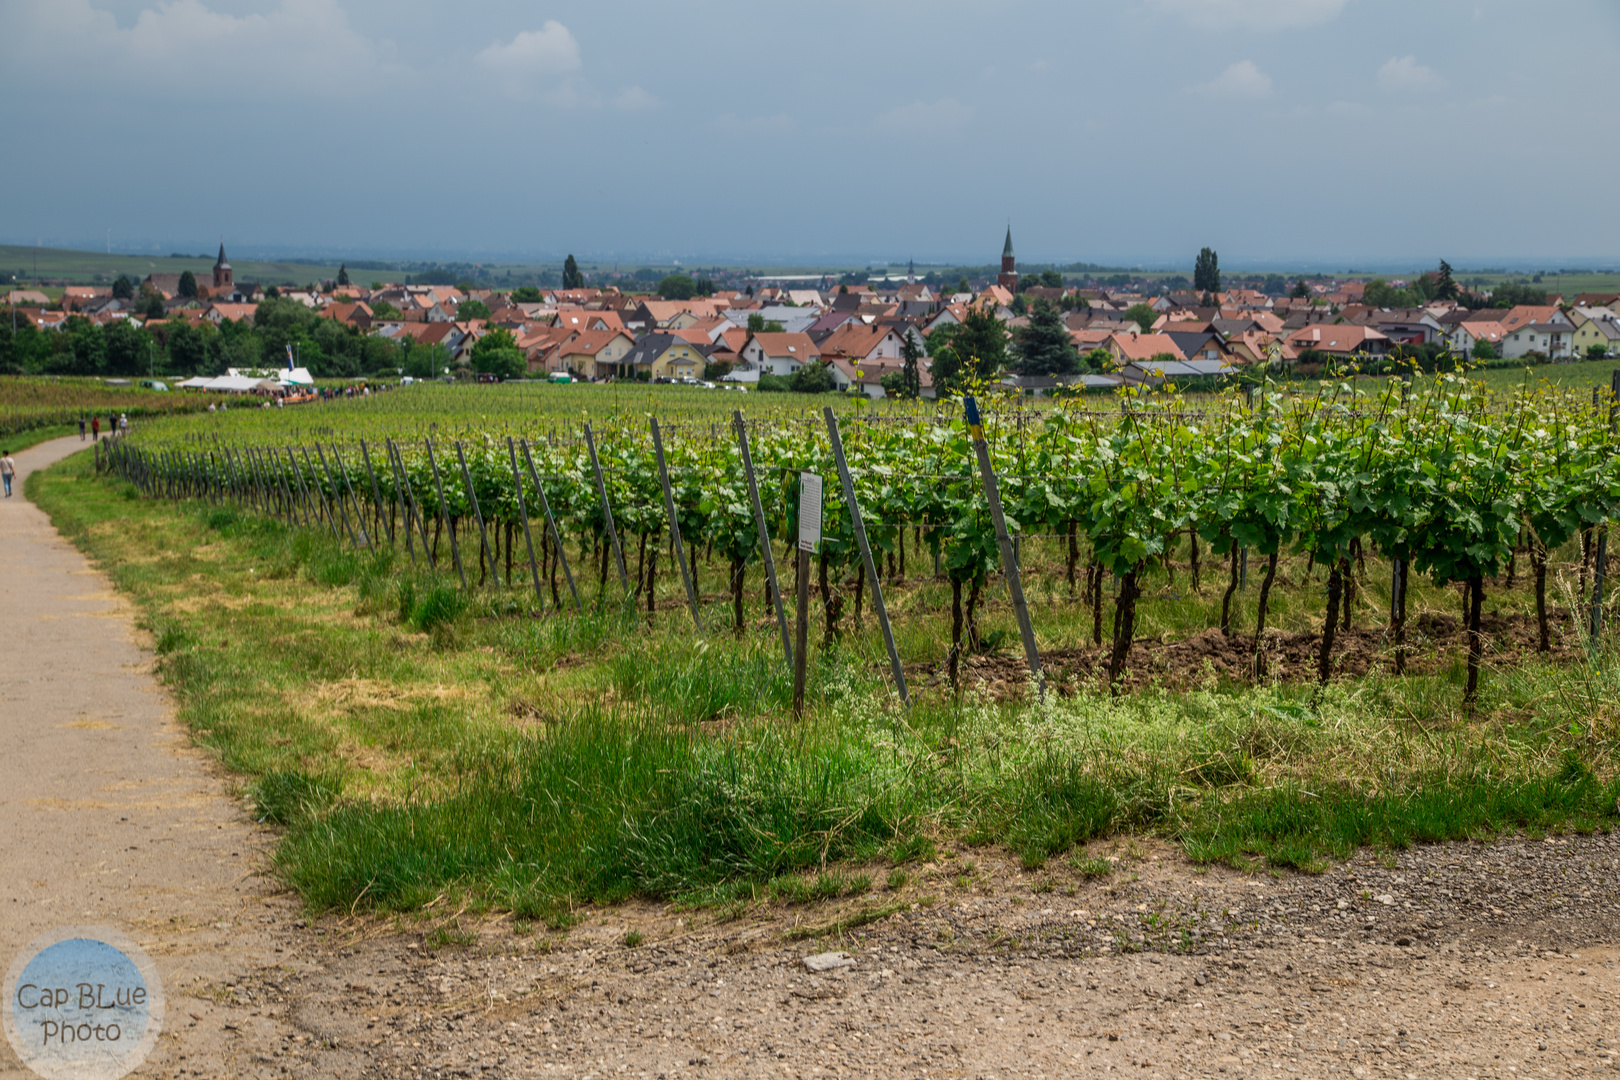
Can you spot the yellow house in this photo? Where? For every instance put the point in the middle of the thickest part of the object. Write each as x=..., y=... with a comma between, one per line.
x=593, y=354
x=663, y=356
x=1600, y=328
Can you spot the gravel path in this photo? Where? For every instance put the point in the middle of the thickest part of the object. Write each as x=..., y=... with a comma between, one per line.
x=107, y=816
x=1456, y=960
x=1462, y=960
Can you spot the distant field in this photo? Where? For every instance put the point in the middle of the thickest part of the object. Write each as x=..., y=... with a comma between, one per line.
x=1585, y=373
x=90, y=267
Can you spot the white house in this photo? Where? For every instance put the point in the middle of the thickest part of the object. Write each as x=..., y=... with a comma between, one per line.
x=779, y=354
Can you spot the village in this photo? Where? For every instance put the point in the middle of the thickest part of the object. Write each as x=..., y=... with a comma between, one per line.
x=880, y=337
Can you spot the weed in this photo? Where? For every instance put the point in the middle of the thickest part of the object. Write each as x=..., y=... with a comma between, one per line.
x=1091, y=867
x=450, y=936
x=633, y=938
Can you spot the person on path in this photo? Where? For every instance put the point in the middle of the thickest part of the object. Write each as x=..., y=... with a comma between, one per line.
x=95, y=428
x=8, y=469
x=123, y=425
x=81, y=429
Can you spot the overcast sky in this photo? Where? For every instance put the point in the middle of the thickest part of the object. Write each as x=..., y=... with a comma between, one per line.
x=1334, y=132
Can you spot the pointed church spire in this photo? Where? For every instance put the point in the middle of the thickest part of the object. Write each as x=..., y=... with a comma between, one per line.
x=1006, y=251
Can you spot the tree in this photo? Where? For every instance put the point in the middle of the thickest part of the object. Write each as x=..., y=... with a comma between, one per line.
x=496, y=353
x=272, y=293
x=1098, y=360
x=426, y=361
x=1051, y=279
x=814, y=378
x=1044, y=346
x=525, y=294
x=1485, y=350
x=343, y=274
x=188, y=347
x=1381, y=294
x=1300, y=291
x=759, y=324
x=572, y=278
x=382, y=309
x=705, y=287
x=1513, y=294
x=188, y=285
x=963, y=286
x=1143, y=315
x=974, y=349
x=910, y=371
x=472, y=309
x=127, y=349
x=150, y=305
x=677, y=287
x=1207, y=272
x=124, y=287
x=1596, y=351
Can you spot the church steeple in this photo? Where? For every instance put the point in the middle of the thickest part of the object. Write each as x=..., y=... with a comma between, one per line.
x=1008, y=278
x=222, y=270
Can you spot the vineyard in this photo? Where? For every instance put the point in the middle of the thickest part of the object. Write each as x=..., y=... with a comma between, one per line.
x=29, y=403
x=1132, y=520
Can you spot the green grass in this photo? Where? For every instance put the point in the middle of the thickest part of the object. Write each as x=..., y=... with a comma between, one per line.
x=18, y=441
x=414, y=741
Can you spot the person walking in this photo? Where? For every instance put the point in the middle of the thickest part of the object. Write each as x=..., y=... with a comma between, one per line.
x=81, y=429
x=8, y=469
x=95, y=429
x=123, y=425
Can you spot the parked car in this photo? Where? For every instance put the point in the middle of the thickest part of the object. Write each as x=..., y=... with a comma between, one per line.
x=154, y=384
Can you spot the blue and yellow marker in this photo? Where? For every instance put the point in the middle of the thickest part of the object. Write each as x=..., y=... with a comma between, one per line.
x=975, y=428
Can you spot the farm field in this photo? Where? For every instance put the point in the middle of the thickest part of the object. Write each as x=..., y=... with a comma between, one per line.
x=420, y=736
x=94, y=267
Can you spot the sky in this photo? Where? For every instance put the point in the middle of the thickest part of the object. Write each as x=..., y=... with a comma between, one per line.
x=1282, y=133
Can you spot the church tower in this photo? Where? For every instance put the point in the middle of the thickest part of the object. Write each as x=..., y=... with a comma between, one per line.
x=222, y=269
x=1008, y=278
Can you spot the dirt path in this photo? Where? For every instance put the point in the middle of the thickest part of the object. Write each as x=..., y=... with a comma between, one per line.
x=1450, y=961
x=107, y=816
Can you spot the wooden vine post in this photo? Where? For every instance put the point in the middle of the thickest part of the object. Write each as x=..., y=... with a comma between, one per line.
x=674, y=527
x=607, y=511
x=484, y=550
x=523, y=513
x=766, y=555
x=866, y=555
x=1009, y=557
x=551, y=523
x=438, y=486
